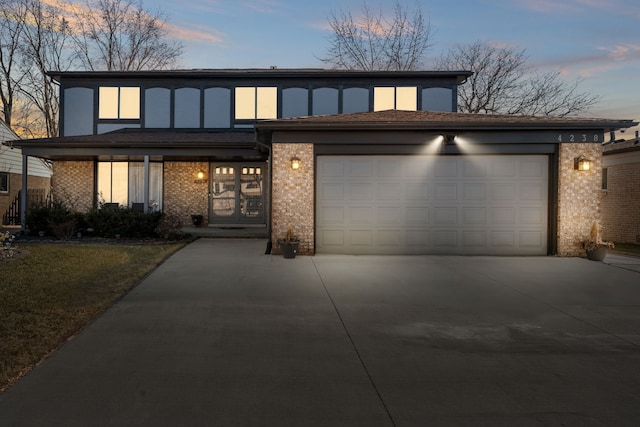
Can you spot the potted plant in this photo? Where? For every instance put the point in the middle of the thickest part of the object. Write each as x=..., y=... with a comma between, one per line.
x=196, y=219
x=289, y=245
x=595, y=247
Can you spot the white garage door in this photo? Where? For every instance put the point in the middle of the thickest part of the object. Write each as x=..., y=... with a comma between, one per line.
x=490, y=205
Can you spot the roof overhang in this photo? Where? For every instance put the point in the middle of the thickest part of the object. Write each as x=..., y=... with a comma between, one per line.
x=135, y=144
x=492, y=128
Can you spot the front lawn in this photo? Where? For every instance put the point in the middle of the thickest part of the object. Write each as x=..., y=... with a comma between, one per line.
x=55, y=290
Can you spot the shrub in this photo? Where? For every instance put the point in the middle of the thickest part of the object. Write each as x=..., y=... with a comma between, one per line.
x=169, y=227
x=110, y=222
x=53, y=219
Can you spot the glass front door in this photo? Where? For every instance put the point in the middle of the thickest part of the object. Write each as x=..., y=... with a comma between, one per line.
x=237, y=193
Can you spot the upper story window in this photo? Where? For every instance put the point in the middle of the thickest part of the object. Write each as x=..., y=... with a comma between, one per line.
x=395, y=98
x=119, y=103
x=256, y=103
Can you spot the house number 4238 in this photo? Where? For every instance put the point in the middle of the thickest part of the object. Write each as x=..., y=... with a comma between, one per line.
x=579, y=137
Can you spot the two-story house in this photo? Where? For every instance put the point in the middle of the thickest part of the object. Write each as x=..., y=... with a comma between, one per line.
x=353, y=161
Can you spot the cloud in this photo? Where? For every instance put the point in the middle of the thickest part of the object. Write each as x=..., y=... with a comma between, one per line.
x=196, y=33
x=263, y=6
x=571, y=6
x=623, y=52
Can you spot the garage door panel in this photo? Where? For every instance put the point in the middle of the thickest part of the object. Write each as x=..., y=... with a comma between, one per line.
x=474, y=216
x=359, y=215
x=503, y=191
x=332, y=167
x=389, y=168
x=446, y=191
x=389, y=215
x=331, y=191
x=389, y=191
x=361, y=168
x=531, y=191
x=432, y=204
x=331, y=215
x=360, y=191
x=503, y=168
x=476, y=168
x=417, y=191
x=417, y=215
x=474, y=191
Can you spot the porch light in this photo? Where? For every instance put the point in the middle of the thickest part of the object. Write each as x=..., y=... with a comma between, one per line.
x=200, y=175
x=581, y=164
x=295, y=163
x=449, y=139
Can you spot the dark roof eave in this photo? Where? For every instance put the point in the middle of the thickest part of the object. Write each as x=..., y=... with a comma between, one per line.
x=459, y=75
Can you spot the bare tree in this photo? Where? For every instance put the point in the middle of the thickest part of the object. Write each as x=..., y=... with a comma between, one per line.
x=12, y=21
x=374, y=42
x=45, y=47
x=119, y=35
x=504, y=83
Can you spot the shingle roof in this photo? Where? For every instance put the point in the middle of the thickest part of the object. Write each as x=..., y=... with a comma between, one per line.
x=430, y=120
x=138, y=137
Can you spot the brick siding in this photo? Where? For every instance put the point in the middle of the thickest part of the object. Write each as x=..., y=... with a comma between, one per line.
x=621, y=204
x=293, y=196
x=578, y=196
x=15, y=186
x=73, y=183
x=183, y=194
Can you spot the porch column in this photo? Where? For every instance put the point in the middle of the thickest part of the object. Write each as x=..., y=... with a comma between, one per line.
x=23, y=194
x=146, y=184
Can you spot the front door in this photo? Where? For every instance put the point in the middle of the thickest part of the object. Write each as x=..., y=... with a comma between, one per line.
x=237, y=193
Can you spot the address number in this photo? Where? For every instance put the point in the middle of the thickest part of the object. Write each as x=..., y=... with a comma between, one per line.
x=579, y=137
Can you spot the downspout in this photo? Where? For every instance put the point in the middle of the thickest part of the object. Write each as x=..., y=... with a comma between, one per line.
x=268, y=199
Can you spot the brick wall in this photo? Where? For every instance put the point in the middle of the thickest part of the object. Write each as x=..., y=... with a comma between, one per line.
x=72, y=183
x=578, y=196
x=293, y=195
x=15, y=186
x=621, y=204
x=183, y=196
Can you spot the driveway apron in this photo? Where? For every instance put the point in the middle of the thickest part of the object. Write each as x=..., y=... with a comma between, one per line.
x=223, y=335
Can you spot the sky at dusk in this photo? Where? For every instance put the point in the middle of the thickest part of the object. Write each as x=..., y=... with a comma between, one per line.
x=598, y=40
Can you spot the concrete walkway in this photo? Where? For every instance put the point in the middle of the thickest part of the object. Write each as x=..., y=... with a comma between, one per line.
x=223, y=335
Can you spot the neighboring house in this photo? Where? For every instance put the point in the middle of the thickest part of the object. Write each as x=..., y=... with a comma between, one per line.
x=621, y=191
x=353, y=161
x=38, y=182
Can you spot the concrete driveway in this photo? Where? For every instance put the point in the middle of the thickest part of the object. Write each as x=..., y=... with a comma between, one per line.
x=223, y=335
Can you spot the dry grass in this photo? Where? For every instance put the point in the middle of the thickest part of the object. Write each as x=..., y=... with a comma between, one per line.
x=53, y=292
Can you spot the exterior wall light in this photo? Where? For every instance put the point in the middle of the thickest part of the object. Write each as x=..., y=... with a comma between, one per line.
x=449, y=139
x=295, y=163
x=201, y=177
x=581, y=164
